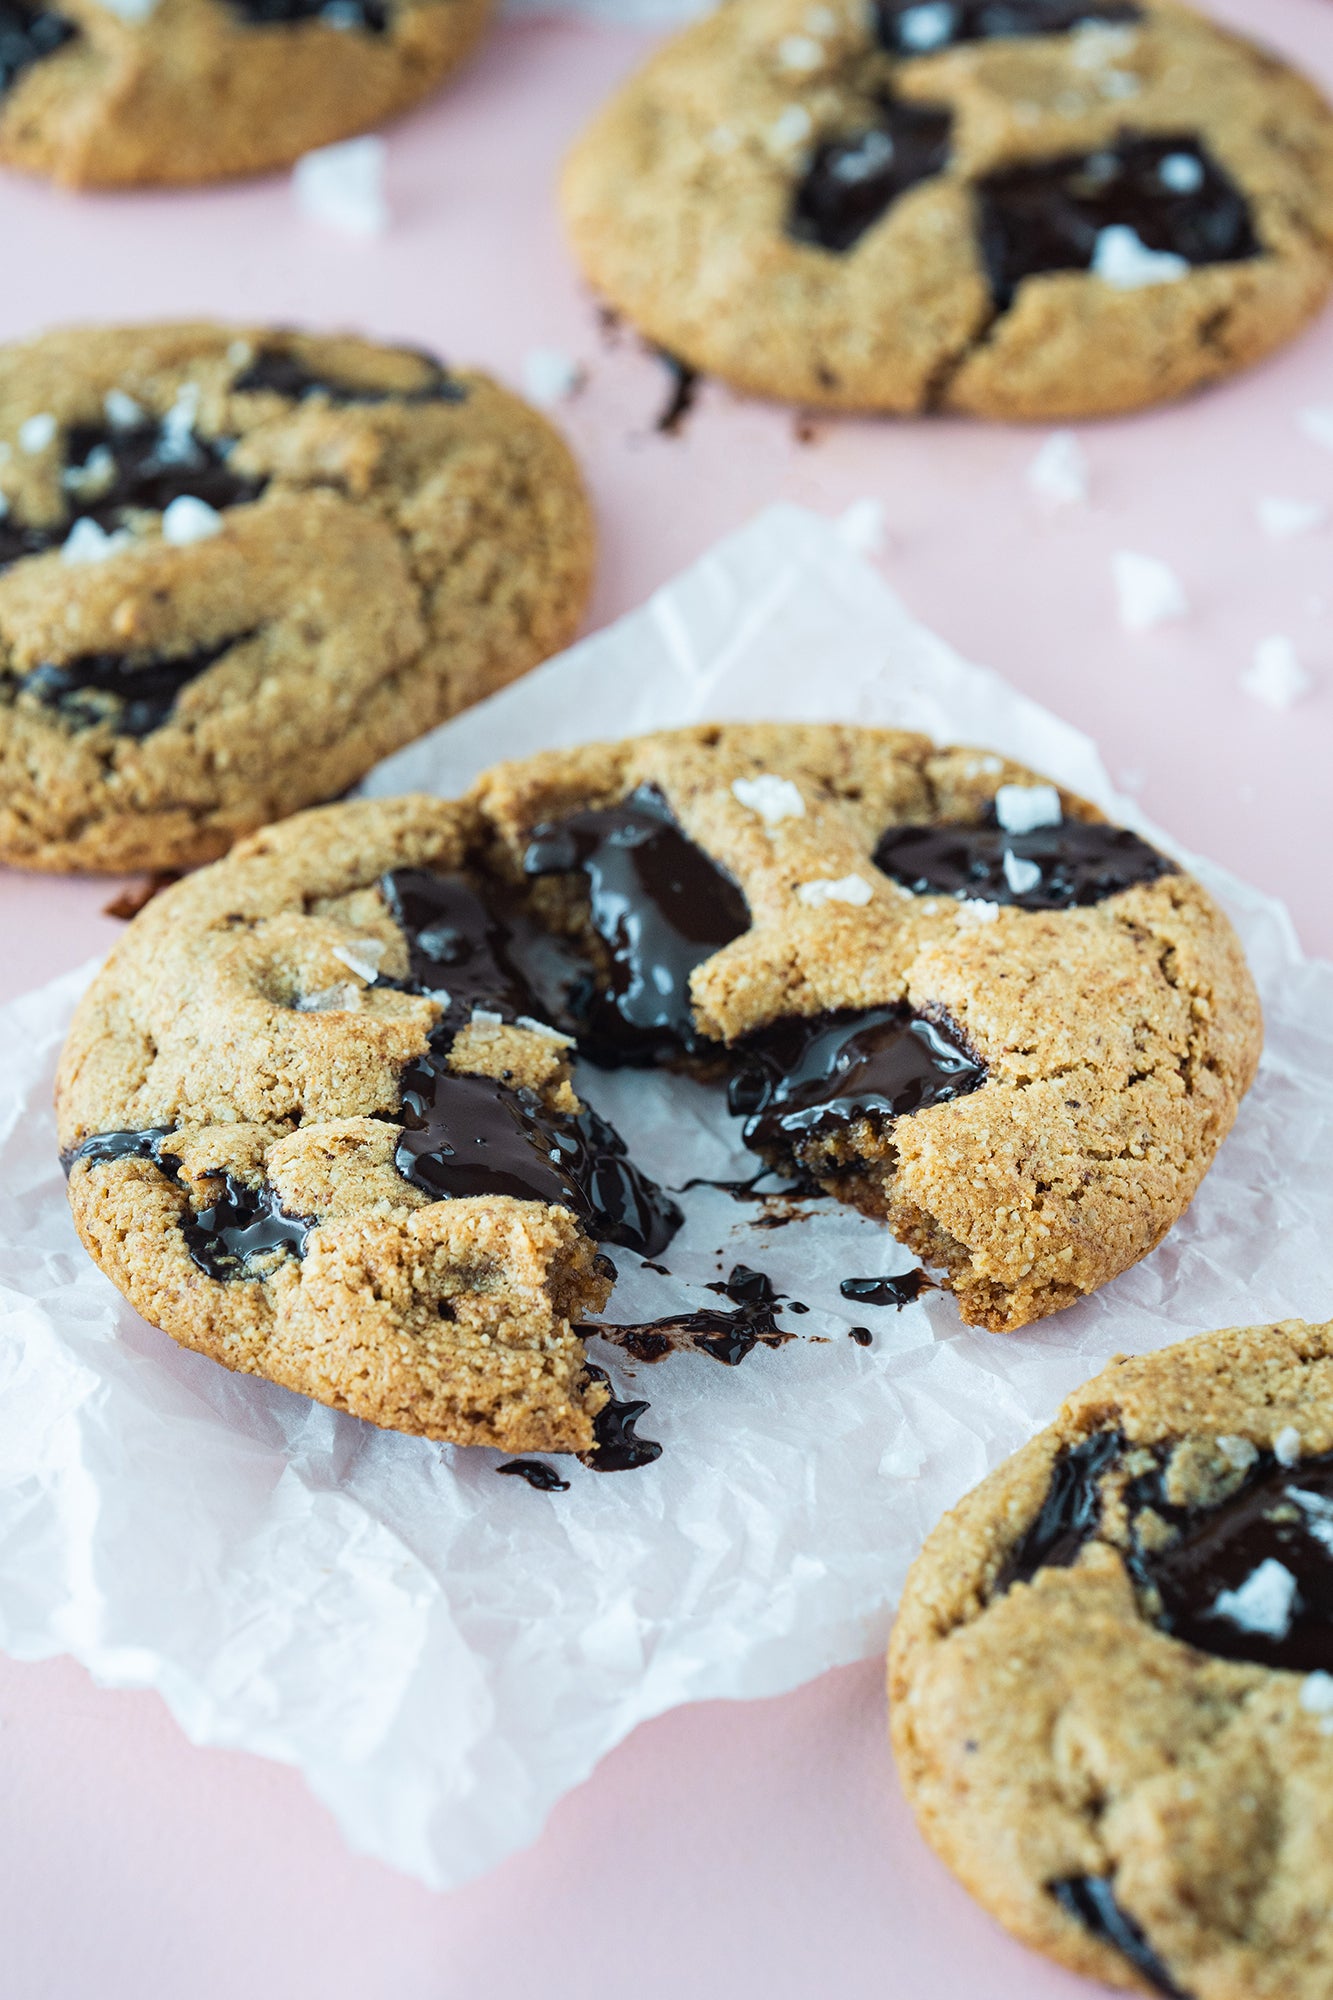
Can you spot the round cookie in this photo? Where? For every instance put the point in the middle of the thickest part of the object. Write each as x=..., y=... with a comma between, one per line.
x=239, y=566
x=1047, y=209
x=1112, y=1674
x=318, y=1110
x=115, y=93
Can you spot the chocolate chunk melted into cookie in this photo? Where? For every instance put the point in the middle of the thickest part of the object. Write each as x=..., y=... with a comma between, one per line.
x=1071, y=1512
x=1090, y=1900
x=801, y=1080
x=659, y=905
x=920, y=27
x=27, y=35
x=541, y=1477
x=896, y=1292
x=135, y=699
x=851, y=182
x=282, y=374
x=148, y=465
x=369, y=17
x=1048, y=216
x=480, y=951
x=1078, y=862
x=619, y=1448
x=727, y=1336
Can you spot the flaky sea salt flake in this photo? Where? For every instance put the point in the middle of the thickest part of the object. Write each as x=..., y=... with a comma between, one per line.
x=1021, y=875
x=37, y=432
x=342, y=186
x=773, y=798
x=1149, y=592
x=88, y=542
x=362, y=956
x=1058, y=475
x=1287, y=1446
x=1121, y=259
x=847, y=889
x=1281, y=520
x=1263, y=1603
x=550, y=376
x=187, y=519
x=1023, y=808
x=1277, y=677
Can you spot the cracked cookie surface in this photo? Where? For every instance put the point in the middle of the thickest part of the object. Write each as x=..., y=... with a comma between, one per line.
x=197, y=90
x=1112, y=1674
x=304, y=1100
x=238, y=566
x=914, y=208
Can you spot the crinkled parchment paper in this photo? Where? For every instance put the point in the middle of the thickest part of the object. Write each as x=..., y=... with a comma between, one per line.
x=443, y=1652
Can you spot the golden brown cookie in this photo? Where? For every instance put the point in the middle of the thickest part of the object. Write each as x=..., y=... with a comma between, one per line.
x=1049, y=208
x=1112, y=1674
x=318, y=1105
x=110, y=93
x=237, y=567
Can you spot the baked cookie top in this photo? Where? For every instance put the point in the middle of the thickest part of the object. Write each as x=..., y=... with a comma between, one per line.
x=1047, y=208
x=104, y=93
x=336, y=1066
x=238, y=566
x=1112, y=1674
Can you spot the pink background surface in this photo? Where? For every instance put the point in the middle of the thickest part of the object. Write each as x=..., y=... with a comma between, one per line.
x=740, y=1849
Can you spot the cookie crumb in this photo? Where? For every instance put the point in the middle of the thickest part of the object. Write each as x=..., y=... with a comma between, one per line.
x=130, y=901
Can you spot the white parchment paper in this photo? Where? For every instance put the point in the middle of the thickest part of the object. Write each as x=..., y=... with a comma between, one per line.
x=443, y=1652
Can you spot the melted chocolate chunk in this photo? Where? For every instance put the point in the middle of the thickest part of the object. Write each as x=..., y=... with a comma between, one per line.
x=148, y=465
x=897, y=1292
x=805, y=1079
x=469, y=1135
x=1071, y=1512
x=27, y=35
x=1090, y=1899
x=1048, y=215
x=282, y=374
x=921, y=27
x=727, y=1336
x=108, y=687
x=543, y=1478
x=851, y=182
x=659, y=905
x=618, y=1449
x=684, y=389
x=370, y=17
x=1080, y=862
x=484, y=951
x=103, y=1147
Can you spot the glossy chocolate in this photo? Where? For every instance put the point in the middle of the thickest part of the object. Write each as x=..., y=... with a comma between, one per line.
x=1070, y=1514
x=1090, y=1900
x=135, y=699
x=897, y=1292
x=369, y=17
x=27, y=36
x=148, y=465
x=541, y=1477
x=659, y=905
x=861, y=1335
x=1047, y=215
x=911, y=28
x=851, y=182
x=618, y=1448
x=727, y=1336
x=803, y=1080
x=280, y=373
x=684, y=390
x=1081, y=862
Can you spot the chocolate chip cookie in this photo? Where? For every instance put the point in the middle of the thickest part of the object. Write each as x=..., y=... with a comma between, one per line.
x=1047, y=208
x=1112, y=1674
x=237, y=567
x=320, y=1117
x=107, y=93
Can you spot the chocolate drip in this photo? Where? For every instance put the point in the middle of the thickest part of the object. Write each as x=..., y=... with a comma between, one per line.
x=148, y=465
x=617, y=1448
x=727, y=1336
x=684, y=390
x=542, y=1478
x=1090, y=1900
x=851, y=182
x=469, y=1135
x=803, y=1080
x=280, y=373
x=1081, y=862
x=370, y=17
x=27, y=36
x=108, y=687
x=897, y=1292
x=1047, y=216
x=1071, y=1512
x=909, y=28
x=861, y=1335
x=659, y=905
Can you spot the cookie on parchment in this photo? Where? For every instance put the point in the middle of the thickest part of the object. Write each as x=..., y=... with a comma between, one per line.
x=106, y=93
x=1048, y=208
x=1112, y=1675
x=237, y=567
x=318, y=1107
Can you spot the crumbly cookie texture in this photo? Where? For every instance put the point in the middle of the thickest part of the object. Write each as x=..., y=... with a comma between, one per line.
x=198, y=90
x=680, y=201
x=332, y=545
x=255, y=1013
x=1048, y=1732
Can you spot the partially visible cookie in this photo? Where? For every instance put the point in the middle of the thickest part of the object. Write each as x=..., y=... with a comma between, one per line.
x=1112, y=1675
x=106, y=93
x=1049, y=208
x=239, y=566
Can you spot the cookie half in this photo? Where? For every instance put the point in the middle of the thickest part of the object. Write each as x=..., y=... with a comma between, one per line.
x=1112, y=1674
x=150, y=92
x=1050, y=208
x=237, y=567
x=318, y=1107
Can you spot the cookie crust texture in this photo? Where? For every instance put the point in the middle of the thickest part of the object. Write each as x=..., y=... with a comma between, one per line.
x=405, y=557
x=676, y=199
x=1119, y=1039
x=1053, y=1732
x=197, y=92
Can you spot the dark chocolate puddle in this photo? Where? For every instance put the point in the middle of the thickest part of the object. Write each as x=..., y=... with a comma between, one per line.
x=541, y=1477
x=897, y=1292
x=618, y=1446
x=1090, y=1900
x=1080, y=862
x=28, y=35
x=907, y=28
x=727, y=1336
x=135, y=699
x=852, y=182
x=280, y=373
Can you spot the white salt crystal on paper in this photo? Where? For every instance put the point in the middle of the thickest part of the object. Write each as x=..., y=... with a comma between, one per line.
x=1058, y=474
x=550, y=376
x=1148, y=590
x=1283, y=519
x=1277, y=677
x=343, y=186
